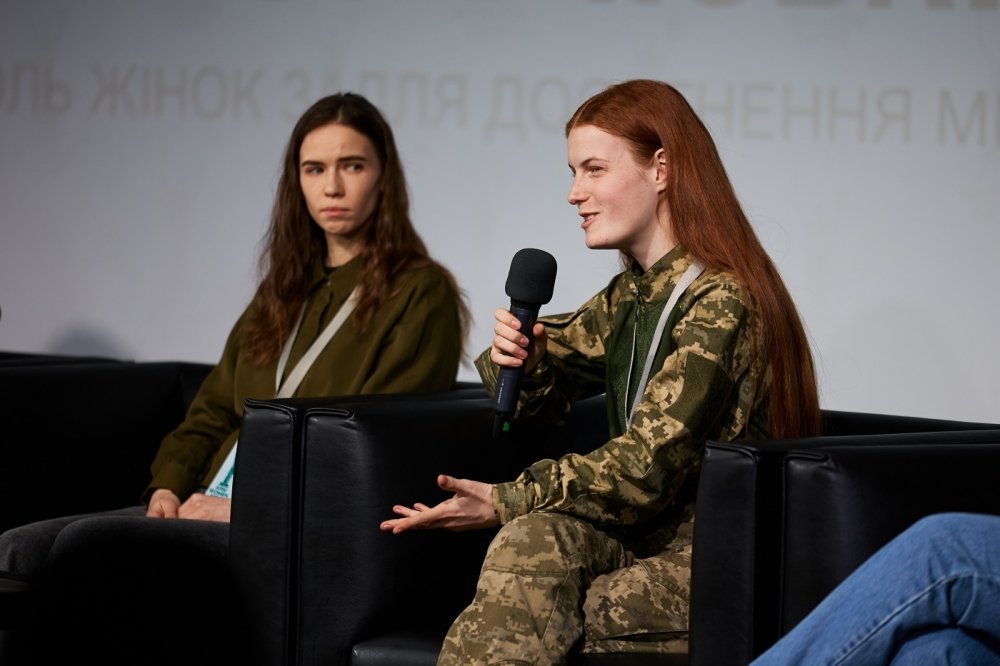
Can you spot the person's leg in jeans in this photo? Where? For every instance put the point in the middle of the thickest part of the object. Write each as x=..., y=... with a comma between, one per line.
x=942, y=572
x=946, y=647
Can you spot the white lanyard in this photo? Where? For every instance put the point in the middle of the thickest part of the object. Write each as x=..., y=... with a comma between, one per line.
x=689, y=276
x=286, y=389
x=221, y=485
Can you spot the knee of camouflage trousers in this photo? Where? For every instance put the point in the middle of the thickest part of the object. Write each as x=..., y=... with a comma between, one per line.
x=642, y=607
x=527, y=608
x=547, y=543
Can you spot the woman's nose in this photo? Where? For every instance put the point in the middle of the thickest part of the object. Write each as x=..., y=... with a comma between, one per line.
x=575, y=195
x=334, y=185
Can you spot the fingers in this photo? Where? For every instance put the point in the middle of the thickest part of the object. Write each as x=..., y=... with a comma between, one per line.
x=419, y=516
x=511, y=348
x=508, y=346
x=507, y=319
x=470, y=507
x=457, y=486
x=461, y=487
x=404, y=511
x=397, y=526
x=202, y=507
x=412, y=519
x=539, y=347
x=505, y=360
x=163, y=504
x=448, y=483
x=467, y=490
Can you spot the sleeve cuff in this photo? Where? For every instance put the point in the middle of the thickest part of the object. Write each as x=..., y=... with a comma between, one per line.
x=487, y=371
x=173, y=477
x=540, y=375
x=512, y=499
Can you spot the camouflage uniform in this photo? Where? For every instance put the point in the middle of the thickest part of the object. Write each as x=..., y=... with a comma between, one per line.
x=595, y=549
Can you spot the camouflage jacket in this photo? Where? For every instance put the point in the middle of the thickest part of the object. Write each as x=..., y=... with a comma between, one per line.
x=707, y=383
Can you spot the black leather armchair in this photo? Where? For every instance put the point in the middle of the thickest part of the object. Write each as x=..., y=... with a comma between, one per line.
x=315, y=479
x=779, y=523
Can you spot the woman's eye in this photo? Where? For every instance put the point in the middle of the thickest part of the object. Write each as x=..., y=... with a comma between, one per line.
x=354, y=167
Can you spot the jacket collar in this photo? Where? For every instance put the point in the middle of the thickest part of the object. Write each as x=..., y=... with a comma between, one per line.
x=656, y=284
x=346, y=275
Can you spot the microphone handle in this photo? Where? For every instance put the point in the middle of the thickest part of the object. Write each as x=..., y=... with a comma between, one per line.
x=509, y=379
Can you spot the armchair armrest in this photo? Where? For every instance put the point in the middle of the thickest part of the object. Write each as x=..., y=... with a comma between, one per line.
x=781, y=523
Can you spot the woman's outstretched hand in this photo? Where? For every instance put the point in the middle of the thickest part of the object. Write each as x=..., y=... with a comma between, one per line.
x=470, y=508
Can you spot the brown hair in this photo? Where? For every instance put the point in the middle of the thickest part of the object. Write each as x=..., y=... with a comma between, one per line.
x=709, y=222
x=294, y=243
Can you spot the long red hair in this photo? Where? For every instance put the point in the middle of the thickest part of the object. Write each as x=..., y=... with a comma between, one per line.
x=708, y=220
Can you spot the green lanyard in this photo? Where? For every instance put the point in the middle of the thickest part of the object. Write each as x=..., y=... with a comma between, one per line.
x=689, y=276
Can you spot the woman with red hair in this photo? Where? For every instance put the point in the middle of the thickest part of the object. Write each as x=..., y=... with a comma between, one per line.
x=696, y=339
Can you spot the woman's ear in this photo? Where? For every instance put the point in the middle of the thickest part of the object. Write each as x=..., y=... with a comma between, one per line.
x=660, y=160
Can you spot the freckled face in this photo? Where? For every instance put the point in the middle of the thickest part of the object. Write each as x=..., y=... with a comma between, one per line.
x=617, y=197
x=339, y=173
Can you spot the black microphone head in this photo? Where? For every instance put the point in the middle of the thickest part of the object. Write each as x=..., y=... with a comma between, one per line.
x=532, y=276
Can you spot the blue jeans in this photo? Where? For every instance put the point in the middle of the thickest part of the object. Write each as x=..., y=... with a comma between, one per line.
x=929, y=596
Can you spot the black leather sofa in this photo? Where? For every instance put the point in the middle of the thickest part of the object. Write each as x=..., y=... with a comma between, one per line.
x=779, y=523
x=79, y=434
x=14, y=358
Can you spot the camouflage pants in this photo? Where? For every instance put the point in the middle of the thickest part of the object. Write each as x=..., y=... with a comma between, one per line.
x=552, y=583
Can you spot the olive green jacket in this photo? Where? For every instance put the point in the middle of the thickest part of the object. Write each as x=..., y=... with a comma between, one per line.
x=706, y=383
x=412, y=344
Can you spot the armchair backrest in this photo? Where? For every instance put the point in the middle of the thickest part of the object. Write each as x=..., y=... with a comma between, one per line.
x=842, y=503
x=79, y=437
x=780, y=523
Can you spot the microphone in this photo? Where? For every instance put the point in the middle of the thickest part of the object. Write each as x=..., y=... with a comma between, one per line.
x=529, y=284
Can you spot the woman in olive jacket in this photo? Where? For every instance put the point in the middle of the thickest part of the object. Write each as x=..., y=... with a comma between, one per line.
x=349, y=303
x=340, y=223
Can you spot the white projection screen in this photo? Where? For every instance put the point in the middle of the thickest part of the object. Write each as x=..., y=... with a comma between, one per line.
x=140, y=143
